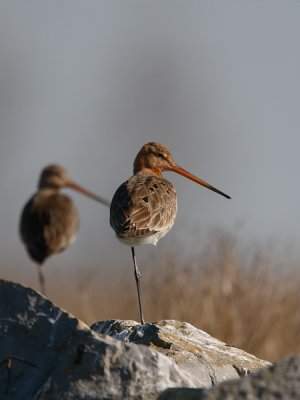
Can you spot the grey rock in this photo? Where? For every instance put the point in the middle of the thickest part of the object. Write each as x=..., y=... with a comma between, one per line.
x=279, y=381
x=47, y=354
x=205, y=359
x=68, y=360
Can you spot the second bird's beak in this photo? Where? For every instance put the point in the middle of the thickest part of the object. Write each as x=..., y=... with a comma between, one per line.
x=75, y=186
x=187, y=174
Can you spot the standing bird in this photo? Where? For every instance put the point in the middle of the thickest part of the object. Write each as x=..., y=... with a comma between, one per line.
x=144, y=208
x=49, y=221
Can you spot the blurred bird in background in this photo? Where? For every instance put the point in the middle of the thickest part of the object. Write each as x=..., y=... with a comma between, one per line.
x=49, y=221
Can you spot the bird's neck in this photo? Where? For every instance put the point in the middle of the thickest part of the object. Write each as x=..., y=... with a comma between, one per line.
x=145, y=166
x=47, y=191
x=148, y=171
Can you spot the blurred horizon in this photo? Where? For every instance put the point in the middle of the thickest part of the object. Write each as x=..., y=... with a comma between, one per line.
x=86, y=84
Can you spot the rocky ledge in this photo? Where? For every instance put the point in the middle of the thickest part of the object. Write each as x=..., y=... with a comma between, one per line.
x=205, y=360
x=46, y=353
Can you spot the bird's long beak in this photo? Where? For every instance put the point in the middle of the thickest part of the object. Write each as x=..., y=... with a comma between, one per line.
x=75, y=186
x=183, y=172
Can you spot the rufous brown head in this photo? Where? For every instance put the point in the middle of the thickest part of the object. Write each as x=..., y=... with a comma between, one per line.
x=156, y=158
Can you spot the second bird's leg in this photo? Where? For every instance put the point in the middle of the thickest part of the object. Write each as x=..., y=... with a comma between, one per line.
x=41, y=279
x=137, y=276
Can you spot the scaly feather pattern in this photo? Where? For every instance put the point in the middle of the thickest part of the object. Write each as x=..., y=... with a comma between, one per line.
x=142, y=207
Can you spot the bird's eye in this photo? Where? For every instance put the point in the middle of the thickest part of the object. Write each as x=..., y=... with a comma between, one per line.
x=160, y=154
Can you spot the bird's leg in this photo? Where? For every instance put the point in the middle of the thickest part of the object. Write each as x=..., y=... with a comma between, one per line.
x=41, y=279
x=8, y=362
x=137, y=276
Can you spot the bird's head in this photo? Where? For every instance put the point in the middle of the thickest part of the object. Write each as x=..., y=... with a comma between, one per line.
x=54, y=176
x=57, y=177
x=155, y=158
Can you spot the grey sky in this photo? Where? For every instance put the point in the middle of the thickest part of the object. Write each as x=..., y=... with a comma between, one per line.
x=87, y=83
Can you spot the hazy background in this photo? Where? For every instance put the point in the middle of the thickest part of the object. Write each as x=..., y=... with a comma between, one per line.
x=87, y=83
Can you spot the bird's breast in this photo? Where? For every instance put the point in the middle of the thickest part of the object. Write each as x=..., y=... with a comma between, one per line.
x=143, y=209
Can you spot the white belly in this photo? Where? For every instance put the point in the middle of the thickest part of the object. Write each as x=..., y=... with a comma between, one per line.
x=151, y=239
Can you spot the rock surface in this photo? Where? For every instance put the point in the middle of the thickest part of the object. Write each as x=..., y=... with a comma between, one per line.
x=69, y=360
x=280, y=381
x=55, y=356
x=205, y=359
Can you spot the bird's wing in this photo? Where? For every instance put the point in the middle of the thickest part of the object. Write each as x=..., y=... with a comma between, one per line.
x=48, y=225
x=142, y=206
x=60, y=221
x=32, y=232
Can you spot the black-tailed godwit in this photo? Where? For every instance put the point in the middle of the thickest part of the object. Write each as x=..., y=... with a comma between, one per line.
x=49, y=221
x=144, y=208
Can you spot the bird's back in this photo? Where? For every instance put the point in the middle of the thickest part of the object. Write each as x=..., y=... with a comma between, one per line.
x=143, y=209
x=49, y=223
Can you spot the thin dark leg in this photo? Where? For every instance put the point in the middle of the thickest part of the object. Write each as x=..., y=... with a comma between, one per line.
x=137, y=276
x=41, y=279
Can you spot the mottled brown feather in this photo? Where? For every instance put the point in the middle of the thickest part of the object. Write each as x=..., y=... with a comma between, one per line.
x=49, y=223
x=142, y=206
